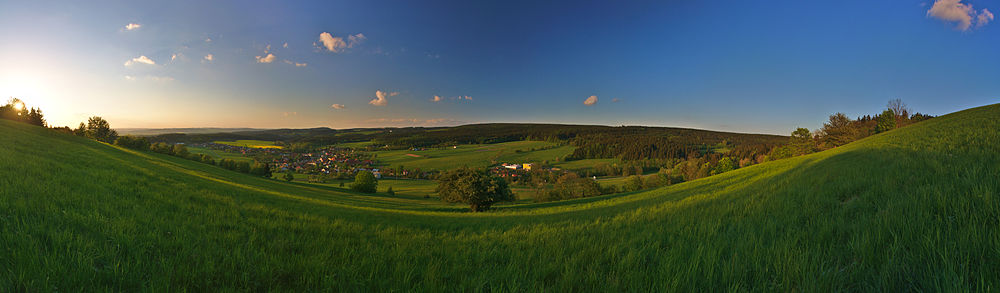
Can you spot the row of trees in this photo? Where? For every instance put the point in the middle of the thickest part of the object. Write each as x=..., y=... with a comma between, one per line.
x=16, y=110
x=840, y=130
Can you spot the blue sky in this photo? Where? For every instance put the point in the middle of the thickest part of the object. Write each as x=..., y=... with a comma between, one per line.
x=746, y=66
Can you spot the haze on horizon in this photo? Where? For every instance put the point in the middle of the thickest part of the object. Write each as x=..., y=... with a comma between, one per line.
x=726, y=65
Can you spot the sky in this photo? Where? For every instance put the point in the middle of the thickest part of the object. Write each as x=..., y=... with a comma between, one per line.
x=743, y=66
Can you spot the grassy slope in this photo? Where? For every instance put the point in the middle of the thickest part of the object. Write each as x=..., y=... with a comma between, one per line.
x=911, y=209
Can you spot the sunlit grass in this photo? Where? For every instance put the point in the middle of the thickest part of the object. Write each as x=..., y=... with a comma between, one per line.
x=915, y=209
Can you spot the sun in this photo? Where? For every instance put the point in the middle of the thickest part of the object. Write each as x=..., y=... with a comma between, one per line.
x=19, y=106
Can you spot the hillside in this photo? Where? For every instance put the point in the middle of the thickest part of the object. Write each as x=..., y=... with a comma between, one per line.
x=914, y=209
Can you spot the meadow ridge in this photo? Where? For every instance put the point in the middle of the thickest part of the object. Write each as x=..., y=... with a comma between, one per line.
x=912, y=209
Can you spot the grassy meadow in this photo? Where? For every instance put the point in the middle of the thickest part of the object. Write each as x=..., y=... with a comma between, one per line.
x=251, y=144
x=218, y=154
x=913, y=209
x=474, y=155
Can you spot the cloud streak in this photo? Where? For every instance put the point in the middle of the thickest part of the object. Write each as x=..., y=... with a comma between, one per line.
x=590, y=101
x=338, y=106
x=132, y=26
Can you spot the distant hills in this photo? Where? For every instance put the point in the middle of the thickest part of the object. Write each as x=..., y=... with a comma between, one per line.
x=198, y=130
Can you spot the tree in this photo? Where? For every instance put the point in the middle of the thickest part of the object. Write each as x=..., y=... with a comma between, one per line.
x=886, y=121
x=35, y=117
x=289, y=176
x=900, y=109
x=80, y=131
x=725, y=165
x=261, y=169
x=180, y=150
x=838, y=131
x=477, y=188
x=133, y=142
x=633, y=183
x=365, y=182
x=100, y=130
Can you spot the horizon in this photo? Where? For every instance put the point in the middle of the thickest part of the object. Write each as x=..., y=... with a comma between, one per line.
x=729, y=66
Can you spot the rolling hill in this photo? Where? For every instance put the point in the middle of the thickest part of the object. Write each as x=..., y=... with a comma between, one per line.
x=914, y=209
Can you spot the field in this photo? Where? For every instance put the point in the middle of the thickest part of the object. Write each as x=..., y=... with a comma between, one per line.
x=251, y=144
x=474, y=155
x=219, y=155
x=913, y=209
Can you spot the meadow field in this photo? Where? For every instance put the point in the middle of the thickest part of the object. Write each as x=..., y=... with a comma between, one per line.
x=218, y=154
x=913, y=209
x=251, y=144
x=474, y=155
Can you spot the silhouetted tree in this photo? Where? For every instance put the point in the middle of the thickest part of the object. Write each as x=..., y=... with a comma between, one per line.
x=100, y=130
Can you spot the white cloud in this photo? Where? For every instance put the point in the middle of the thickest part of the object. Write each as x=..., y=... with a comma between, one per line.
x=266, y=59
x=132, y=26
x=338, y=106
x=381, y=98
x=290, y=62
x=354, y=40
x=960, y=13
x=331, y=43
x=209, y=57
x=590, y=101
x=141, y=59
x=285, y=45
x=436, y=99
x=208, y=40
x=984, y=17
x=129, y=78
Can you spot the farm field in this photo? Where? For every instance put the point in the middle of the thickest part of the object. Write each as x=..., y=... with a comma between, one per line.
x=912, y=209
x=474, y=155
x=251, y=144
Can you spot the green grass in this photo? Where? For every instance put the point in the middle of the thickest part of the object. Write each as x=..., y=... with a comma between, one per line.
x=219, y=155
x=585, y=164
x=251, y=144
x=914, y=209
x=473, y=155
